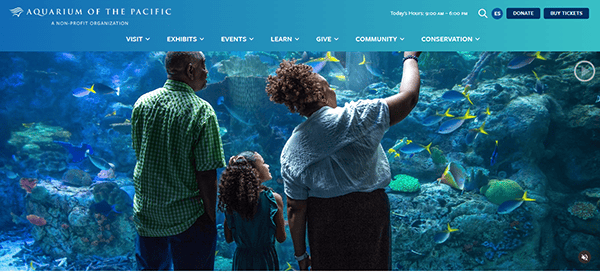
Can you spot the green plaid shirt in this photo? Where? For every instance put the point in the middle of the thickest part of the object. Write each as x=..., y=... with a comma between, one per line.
x=166, y=123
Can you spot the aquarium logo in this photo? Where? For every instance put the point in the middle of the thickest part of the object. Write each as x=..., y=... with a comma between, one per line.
x=16, y=11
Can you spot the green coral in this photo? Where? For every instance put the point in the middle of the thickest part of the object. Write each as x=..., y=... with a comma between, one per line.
x=405, y=183
x=500, y=191
x=38, y=139
x=437, y=156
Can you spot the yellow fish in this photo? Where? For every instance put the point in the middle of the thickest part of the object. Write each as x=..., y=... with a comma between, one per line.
x=480, y=129
x=28, y=125
x=538, y=55
x=466, y=116
x=341, y=77
x=487, y=111
x=328, y=57
x=90, y=89
x=467, y=88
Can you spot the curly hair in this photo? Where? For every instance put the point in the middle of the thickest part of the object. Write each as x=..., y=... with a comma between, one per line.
x=239, y=186
x=294, y=85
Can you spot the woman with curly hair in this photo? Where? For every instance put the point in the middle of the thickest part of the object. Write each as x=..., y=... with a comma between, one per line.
x=334, y=168
x=253, y=212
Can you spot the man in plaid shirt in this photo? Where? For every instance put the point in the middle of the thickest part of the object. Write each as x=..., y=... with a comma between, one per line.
x=178, y=149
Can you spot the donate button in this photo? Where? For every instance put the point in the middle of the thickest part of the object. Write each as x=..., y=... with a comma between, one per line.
x=523, y=13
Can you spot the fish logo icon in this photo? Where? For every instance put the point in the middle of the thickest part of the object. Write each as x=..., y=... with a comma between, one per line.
x=16, y=11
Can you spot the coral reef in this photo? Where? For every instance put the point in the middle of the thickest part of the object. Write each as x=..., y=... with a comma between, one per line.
x=484, y=58
x=250, y=65
x=583, y=210
x=36, y=220
x=500, y=191
x=415, y=219
x=113, y=195
x=28, y=184
x=513, y=237
x=39, y=193
x=437, y=156
x=71, y=230
x=76, y=177
x=37, y=148
x=405, y=183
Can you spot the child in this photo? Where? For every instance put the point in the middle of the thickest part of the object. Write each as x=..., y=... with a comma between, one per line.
x=253, y=212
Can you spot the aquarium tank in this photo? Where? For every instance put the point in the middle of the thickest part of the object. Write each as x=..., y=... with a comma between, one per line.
x=496, y=168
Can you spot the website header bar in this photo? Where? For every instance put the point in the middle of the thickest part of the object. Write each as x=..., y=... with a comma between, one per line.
x=230, y=25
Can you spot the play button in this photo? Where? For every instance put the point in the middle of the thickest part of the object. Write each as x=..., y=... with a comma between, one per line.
x=584, y=71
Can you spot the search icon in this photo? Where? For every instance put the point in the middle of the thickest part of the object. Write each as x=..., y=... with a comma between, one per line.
x=482, y=13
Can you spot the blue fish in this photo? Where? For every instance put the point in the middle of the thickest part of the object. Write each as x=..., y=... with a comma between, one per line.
x=494, y=155
x=539, y=87
x=99, y=162
x=442, y=236
x=434, y=119
x=482, y=115
x=450, y=126
x=370, y=67
x=237, y=116
x=472, y=133
x=471, y=136
x=415, y=148
x=104, y=89
x=453, y=124
x=77, y=152
x=319, y=63
x=375, y=87
x=453, y=95
x=83, y=91
x=104, y=208
x=316, y=65
x=374, y=70
x=509, y=206
x=524, y=60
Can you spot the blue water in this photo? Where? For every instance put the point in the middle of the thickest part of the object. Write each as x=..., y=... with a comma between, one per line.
x=548, y=144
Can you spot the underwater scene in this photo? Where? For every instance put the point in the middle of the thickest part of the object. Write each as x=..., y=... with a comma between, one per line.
x=496, y=168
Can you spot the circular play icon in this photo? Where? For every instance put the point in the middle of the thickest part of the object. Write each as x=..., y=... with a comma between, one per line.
x=584, y=71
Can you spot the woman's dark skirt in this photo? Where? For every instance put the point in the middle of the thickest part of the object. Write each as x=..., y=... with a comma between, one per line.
x=350, y=232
